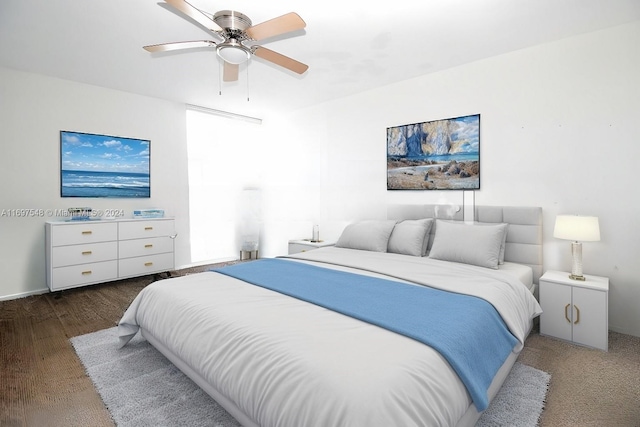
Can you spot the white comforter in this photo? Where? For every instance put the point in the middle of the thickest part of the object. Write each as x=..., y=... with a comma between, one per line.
x=285, y=362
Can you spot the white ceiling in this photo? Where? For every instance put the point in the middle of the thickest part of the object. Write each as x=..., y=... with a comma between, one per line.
x=349, y=47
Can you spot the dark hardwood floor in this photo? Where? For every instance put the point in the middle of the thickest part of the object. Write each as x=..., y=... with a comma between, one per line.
x=43, y=382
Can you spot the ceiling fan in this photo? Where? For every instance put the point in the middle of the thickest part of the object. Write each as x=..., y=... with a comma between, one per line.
x=237, y=35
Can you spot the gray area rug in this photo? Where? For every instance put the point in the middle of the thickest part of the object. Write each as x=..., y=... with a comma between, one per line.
x=140, y=387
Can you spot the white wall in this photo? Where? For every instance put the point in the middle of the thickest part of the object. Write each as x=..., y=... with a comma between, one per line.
x=33, y=110
x=557, y=130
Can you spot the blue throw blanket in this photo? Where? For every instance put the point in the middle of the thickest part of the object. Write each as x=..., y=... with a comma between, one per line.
x=466, y=330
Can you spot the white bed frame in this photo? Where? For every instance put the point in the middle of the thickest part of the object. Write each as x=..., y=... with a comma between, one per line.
x=524, y=246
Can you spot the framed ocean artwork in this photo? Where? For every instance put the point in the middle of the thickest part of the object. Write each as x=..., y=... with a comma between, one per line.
x=435, y=155
x=93, y=165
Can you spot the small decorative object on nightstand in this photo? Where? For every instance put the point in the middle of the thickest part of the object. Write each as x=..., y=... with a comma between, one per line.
x=575, y=311
x=296, y=246
x=577, y=228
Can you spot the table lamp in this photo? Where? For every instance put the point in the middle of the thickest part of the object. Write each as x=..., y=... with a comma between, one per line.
x=577, y=229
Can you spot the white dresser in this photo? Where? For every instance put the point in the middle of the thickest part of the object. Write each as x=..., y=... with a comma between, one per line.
x=80, y=253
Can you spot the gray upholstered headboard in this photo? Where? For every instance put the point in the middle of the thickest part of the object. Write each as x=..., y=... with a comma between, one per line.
x=524, y=236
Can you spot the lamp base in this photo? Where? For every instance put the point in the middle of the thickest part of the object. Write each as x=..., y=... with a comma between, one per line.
x=576, y=267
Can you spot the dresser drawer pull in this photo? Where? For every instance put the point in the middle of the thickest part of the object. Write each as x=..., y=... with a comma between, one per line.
x=148, y=264
x=148, y=246
x=86, y=252
x=86, y=273
x=148, y=228
x=86, y=232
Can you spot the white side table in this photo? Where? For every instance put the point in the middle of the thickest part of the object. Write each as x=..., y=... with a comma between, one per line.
x=575, y=311
x=296, y=246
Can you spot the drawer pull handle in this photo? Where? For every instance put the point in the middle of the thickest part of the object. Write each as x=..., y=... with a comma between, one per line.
x=86, y=232
x=577, y=315
x=148, y=264
x=148, y=246
x=148, y=228
x=566, y=313
x=85, y=273
x=86, y=252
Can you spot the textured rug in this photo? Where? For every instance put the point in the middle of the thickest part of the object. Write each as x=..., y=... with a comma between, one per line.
x=140, y=387
x=520, y=401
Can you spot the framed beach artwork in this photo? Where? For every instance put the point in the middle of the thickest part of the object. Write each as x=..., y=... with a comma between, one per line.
x=93, y=165
x=436, y=155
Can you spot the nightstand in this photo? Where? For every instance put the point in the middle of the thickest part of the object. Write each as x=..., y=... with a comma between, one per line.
x=296, y=246
x=575, y=311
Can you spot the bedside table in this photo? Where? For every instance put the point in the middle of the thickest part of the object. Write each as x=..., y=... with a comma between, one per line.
x=296, y=246
x=575, y=311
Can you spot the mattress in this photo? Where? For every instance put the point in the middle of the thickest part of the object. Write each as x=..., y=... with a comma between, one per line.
x=273, y=360
x=523, y=273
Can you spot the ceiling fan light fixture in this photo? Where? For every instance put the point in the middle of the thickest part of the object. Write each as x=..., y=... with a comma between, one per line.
x=233, y=53
x=238, y=35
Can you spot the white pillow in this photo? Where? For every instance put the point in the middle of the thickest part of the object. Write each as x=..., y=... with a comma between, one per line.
x=503, y=245
x=369, y=235
x=468, y=244
x=410, y=237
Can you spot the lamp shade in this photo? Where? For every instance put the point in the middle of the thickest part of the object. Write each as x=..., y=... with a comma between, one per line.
x=577, y=228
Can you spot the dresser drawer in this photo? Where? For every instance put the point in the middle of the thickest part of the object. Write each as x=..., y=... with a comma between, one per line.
x=140, y=229
x=142, y=265
x=82, y=254
x=140, y=247
x=87, y=232
x=84, y=274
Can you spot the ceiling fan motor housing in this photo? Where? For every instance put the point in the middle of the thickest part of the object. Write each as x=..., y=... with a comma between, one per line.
x=231, y=20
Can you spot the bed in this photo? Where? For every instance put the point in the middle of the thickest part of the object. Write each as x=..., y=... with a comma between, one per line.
x=382, y=329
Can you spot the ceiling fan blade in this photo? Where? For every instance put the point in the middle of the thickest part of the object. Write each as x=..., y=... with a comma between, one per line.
x=276, y=26
x=230, y=72
x=279, y=59
x=166, y=47
x=195, y=14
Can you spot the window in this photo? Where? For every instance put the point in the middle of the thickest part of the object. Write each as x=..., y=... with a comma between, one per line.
x=218, y=171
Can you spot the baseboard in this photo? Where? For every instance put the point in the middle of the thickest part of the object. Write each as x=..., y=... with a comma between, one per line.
x=24, y=294
x=625, y=331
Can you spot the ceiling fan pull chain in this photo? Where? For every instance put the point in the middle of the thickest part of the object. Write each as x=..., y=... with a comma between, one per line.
x=220, y=71
x=247, y=83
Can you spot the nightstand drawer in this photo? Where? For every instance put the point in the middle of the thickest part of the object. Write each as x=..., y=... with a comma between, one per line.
x=297, y=246
x=62, y=256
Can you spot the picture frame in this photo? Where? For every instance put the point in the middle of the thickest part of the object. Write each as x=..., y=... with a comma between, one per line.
x=97, y=165
x=435, y=155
